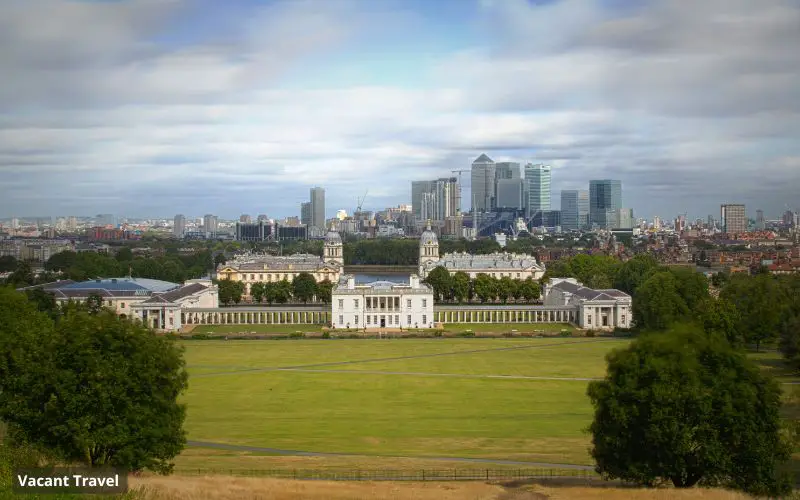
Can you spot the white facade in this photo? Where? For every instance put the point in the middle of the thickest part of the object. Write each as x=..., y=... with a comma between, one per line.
x=382, y=305
x=163, y=311
x=595, y=309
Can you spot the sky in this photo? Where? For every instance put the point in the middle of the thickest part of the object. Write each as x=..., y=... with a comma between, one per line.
x=146, y=108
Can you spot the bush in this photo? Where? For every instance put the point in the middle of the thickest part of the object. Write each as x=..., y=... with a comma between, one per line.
x=508, y=334
x=438, y=333
x=590, y=333
x=354, y=336
x=326, y=335
x=297, y=335
x=200, y=336
x=467, y=333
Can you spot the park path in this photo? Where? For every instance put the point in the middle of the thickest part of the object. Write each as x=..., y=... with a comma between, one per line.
x=276, y=451
x=244, y=370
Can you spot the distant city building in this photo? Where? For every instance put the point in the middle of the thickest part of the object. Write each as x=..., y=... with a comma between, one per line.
x=497, y=265
x=254, y=231
x=382, y=304
x=14, y=223
x=210, y=225
x=291, y=221
x=317, y=207
x=656, y=222
x=111, y=234
x=106, y=220
x=305, y=213
x=483, y=176
x=341, y=214
x=574, y=209
x=537, y=179
x=245, y=218
x=292, y=233
x=435, y=199
x=507, y=170
x=605, y=197
x=262, y=217
x=179, y=226
x=509, y=186
x=760, y=222
x=733, y=218
x=789, y=218
x=623, y=219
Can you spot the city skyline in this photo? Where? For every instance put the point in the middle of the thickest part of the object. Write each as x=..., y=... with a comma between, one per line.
x=160, y=108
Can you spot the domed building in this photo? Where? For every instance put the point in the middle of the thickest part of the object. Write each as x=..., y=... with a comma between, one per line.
x=252, y=268
x=497, y=265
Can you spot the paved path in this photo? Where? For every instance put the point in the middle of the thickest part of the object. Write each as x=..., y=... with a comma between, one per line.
x=276, y=451
x=397, y=358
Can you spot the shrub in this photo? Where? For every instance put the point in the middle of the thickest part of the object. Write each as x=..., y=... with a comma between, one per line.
x=326, y=335
x=467, y=333
x=438, y=333
x=508, y=334
x=297, y=335
x=590, y=333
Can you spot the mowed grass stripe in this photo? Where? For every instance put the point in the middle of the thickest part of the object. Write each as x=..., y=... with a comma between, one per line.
x=456, y=375
x=404, y=357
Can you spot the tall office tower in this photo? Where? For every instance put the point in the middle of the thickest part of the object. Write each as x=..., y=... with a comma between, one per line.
x=733, y=219
x=509, y=186
x=262, y=217
x=179, y=226
x=574, y=209
x=210, y=225
x=106, y=220
x=305, y=213
x=418, y=190
x=245, y=218
x=448, y=197
x=507, y=170
x=710, y=222
x=605, y=197
x=483, y=184
x=537, y=177
x=761, y=224
x=72, y=223
x=318, y=207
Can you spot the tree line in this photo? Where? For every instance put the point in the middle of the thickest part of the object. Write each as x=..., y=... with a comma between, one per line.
x=303, y=288
x=459, y=287
x=78, y=384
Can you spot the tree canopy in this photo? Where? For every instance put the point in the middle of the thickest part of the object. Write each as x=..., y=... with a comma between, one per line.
x=689, y=409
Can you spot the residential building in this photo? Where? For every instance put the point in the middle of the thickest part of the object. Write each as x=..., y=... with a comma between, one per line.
x=179, y=226
x=595, y=309
x=760, y=222
x=382, y=304
x=483, y=177
x=574, y=209
x=252, y=268
x=623, y=219
x=418, y=191
x=435, y=199
x=245, y=218
x=317, y=207
x=517, y=266
x=537, y=179
x=733, y=218
x=605, y=197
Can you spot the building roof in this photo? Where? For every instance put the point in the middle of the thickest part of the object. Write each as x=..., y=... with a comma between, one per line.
x=122, y=285
x=483, y=159
x=415, y=286
x=428, y=237
x=265, y=262
x=333, y=237
x=586, y=293
x=493, y=261
x=175, y=295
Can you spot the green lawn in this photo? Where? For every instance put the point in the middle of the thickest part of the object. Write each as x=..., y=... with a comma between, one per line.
x=396, y=415
x=507, y=327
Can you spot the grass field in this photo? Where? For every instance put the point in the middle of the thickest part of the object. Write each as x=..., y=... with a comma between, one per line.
x=345, y=396
x=497, y=328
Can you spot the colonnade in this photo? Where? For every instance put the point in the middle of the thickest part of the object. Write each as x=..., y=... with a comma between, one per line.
x=225, y=316
x=468, y=315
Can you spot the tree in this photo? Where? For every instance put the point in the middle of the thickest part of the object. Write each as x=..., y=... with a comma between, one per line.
x=461, y=286
x=485, y=287
x=789, y=345
x=721, y=318
x=230, y=291
x=599, y=282
x=689, y=409
x=23, y=275
x=506, y=288
x=439, y=279
x=8, y=264
x=124, y=254
x=282, y=292
x=657, y=304
x=45, y=301
x=102, y=391
x=257, y=291
x=634, y=272
x=304, y=287
x=691, y=286
x=94, y=303
x=219, y=259
x=61, y=261
x=761, y=301
x=531, y=290
x=324, y=291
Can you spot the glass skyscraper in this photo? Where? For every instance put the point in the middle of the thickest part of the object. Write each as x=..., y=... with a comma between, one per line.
x=537, y=180
x=605, y=200
x=574, y=209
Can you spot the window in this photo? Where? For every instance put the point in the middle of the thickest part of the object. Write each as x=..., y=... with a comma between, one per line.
x=517, y=275
x=424, y=304
x=375, y=319
x=122, y=306
x=623, y=319
x=341, y=319
x=109, y=302
x=355, y=319
x=424, y=319
x=253, y=277
x=390, y=319
x=341, y=304
x=269, y=277
x=409, y=319
x=171, y=322
x=260, y=277
x=369, y=318
x=397, y=319
x=588, y=320
x=408, y=303
x=355, y=303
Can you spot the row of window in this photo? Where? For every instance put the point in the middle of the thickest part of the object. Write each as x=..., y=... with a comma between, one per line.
x=373, y=320
x=374, y=304
x=278, y=276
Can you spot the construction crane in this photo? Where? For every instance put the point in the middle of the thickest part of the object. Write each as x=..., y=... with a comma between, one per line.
x=458, y=202
x=361, y=201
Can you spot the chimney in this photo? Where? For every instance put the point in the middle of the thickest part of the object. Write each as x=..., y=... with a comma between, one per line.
x=413, y=280
x=351, y=282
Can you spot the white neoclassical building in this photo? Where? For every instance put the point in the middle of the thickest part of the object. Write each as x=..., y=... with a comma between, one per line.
x=252, y=268
x=382, y=304
x=165, y=311
x=497, y=265
x=594, y=309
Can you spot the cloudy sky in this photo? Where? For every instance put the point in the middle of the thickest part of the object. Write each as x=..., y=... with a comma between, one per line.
x=154, y=107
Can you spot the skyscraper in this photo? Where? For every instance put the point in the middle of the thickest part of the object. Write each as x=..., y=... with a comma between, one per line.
x=305, y=213
x=418, y=190
x=245, y=218
x=761, y=223
x=537, y=178
x=507, y=170
x=733, y=219
x=437, y=199
x=210, y=225
x=483, y=184
x=179, y=226
x=574, y=209
x=605, y=198
x=508, y=188
x=317, y=196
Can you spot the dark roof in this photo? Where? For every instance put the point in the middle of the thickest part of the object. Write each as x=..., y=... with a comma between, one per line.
x=123, y=284
x=482, y=159
x=173, y=295
x=48, y=286
x=590, y=294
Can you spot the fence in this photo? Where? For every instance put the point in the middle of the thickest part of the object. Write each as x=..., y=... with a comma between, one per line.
x=401, y=475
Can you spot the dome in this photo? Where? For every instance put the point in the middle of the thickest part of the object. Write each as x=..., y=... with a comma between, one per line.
x=428, y=237
x=333, y=238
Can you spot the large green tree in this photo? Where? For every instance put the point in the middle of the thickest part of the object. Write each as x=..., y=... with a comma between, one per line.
x=442, y=283
x=721, y=318
x=461, y=286
x=691, y=285
x=485, y=287
x=304, y=287
x=7, y=263
x=689, y=409
x=324, y=291
x=634, y=272
x=761, y=301
x=94, y=389
x=230, y=292
x=657, y=303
